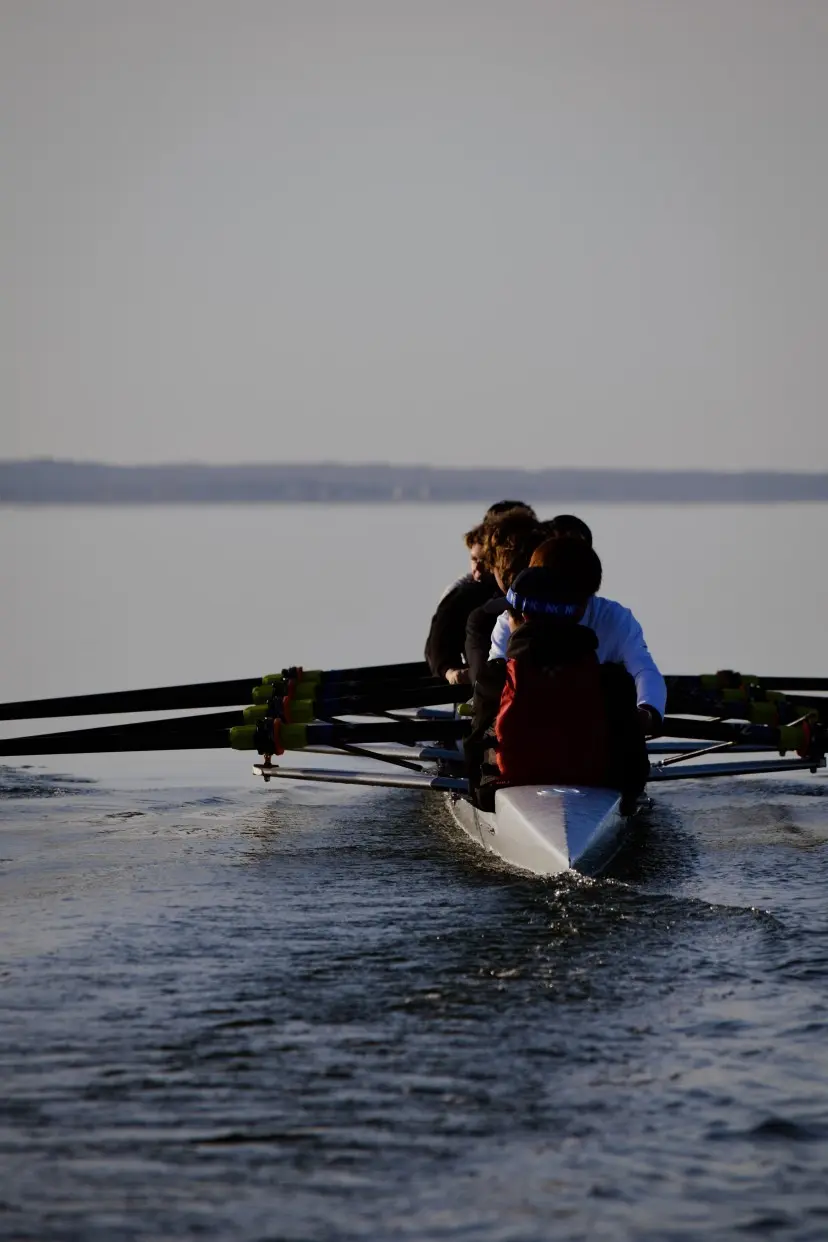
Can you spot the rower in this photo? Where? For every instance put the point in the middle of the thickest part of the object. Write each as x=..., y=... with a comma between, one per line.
x=550, y=712
x=620, y=636
x=447, y=634
x=508, y=543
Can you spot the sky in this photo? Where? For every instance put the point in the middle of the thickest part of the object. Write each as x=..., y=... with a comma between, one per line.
x=532, y=233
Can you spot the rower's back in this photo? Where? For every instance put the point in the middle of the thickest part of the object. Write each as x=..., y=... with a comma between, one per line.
x=562, y=717
x=552, y=724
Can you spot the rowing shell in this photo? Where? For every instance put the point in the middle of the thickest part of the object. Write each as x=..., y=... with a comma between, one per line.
x=543, y=829
x=547, y=829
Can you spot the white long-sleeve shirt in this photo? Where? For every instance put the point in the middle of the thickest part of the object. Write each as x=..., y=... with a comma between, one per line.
x=620, y=641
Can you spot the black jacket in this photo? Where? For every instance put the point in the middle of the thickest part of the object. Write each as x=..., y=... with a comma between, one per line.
x=447, y=635
x=479, y=628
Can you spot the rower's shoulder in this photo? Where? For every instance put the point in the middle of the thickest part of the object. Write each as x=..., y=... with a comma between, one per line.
x=459, y=584
x=610, y=609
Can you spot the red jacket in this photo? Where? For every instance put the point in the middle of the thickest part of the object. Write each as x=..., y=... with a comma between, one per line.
x=552, y=724
x=551, y=714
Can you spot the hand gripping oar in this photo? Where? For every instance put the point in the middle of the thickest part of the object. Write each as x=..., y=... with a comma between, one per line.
x=230, y=693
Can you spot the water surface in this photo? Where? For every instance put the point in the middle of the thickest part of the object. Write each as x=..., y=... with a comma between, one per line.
x=305, y=1013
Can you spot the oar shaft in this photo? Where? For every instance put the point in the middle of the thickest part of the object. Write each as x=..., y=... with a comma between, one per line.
x=780, y=738
x=378, y=672
x=203, y=694
x=784, y=710
x=794, y=683
x=198, y=733
x=161, y=698
x=360, y=733
x=107, y=740
x=175, y=733
x=323, y=690
x=385, y=698
x=731, y=679
x=333, y=776
x=322, y=707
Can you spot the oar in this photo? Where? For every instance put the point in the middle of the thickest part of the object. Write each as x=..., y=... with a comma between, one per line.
x=729, y=679
x=327, y=702
x=267, y=736
x=324, y=704
x=147, y=735
x=782, y=738
x=319, y=690
x=766, y=707
x=794, y=683
x=383, y=699
x=158, y=699
x=194, y=733
x=199, y=694
x=237, y=691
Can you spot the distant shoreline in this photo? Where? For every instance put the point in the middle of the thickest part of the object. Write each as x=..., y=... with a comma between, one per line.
x=49, y=482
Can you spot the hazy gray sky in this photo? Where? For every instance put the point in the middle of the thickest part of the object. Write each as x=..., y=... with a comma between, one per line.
x=561, y=232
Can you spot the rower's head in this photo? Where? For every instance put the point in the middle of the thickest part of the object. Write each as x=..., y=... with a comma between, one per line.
x=558, y=591
x=569, y=530
x=505, y=506
x=566, y=526
x=508, y=542
x=474, y=542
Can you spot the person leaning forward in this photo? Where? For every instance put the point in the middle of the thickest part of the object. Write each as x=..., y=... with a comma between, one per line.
x=550, y=713
x=620, y=639
x=508, y=541
x=444, y=649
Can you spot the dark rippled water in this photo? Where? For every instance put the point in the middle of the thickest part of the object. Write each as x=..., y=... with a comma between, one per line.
x=307, y=1015
x=232, y=1012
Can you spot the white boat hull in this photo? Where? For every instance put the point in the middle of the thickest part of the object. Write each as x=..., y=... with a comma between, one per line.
x=547, y=829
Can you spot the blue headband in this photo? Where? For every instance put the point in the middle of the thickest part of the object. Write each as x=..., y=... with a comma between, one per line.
x=526, y=604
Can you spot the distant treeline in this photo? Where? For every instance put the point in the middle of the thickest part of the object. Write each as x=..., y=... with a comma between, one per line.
x=71, y=482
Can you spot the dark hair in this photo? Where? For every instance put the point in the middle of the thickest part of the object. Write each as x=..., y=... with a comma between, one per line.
x=504, y=506
x=565, y=570
x=509, y=541
x=567, y=526
x=475, y=535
